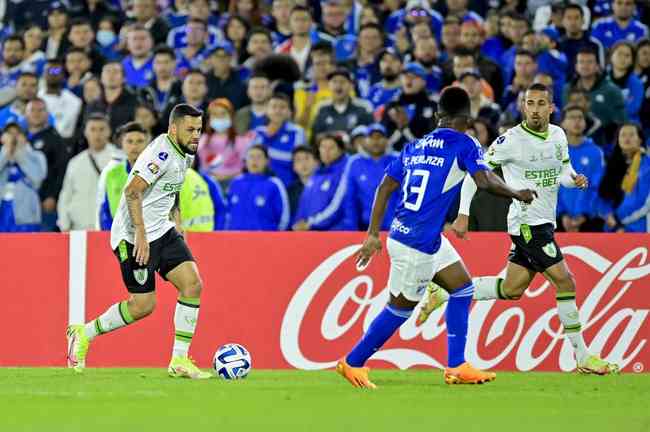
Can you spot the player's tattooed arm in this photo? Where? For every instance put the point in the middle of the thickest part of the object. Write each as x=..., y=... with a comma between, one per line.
x=133, y=194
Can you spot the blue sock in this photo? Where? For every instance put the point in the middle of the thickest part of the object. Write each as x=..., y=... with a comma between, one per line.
x=457, y=316
x=378, y=333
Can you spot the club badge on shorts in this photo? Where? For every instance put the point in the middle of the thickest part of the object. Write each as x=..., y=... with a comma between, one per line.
x=140, y=275
x=550, y=250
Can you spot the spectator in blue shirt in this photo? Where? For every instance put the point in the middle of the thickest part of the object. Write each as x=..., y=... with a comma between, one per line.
x=625, y=188
x=257, y=201
x=622, y=57
x=77, y=67
x=322, y=203
x=13, y=53
x=107, y=39
x=253, y=116
x=138, y=66
x=164, y=89
x=258, y=47
x=280, y=136
x=620, y=25
x=578, y=208
x=390, y=67
x=26, y=88
x=179, y=37
x=365, y=173
x=576, y=38
x=519, y=27
x=304, y=165
x=196, y=47
x=425, y=53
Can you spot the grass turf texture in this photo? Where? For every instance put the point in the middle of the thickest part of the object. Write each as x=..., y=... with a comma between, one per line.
x=51, y=399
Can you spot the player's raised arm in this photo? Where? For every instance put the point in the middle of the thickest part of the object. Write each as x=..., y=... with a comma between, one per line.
x=372, y=243
x=133, y=194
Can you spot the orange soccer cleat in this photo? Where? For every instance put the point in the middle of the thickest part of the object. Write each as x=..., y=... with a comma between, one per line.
x=468, y=374
x=357, y=376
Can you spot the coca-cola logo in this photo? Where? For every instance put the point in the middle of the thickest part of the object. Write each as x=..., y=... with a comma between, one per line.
x=526, y=338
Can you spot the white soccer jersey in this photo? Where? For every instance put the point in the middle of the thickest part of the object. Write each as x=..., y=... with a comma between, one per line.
x=531, y=160
x=163, y=166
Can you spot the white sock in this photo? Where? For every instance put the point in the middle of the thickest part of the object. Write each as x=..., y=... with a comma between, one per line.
x=487, y=288
x=570, y=319
x=185, y=317
x=115, y=317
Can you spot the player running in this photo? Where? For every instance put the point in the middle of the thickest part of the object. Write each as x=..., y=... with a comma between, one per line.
x=145, y=240
x=429, y=173
x=533, y=154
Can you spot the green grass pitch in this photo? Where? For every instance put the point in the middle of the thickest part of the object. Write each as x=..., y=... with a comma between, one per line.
x=125, y=400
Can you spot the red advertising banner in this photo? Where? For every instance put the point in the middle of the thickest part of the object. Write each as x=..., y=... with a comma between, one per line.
x=296, y=300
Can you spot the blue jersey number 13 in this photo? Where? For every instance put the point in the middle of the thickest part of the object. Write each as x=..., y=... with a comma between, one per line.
x=420, y=178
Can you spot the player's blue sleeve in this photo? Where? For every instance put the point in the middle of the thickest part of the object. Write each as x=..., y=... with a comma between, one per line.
x=218, y=202
x=105, y=217
x=471, y=158
x=396, y=168
x=280, y=205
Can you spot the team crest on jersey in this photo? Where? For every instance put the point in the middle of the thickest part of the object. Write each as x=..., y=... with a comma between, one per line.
x=140, y=275
x=163, y=156
x=500, y=139
x=550, y=250
x=153, y=168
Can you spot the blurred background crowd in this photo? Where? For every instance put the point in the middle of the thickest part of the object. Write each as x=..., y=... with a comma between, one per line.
x=306, y=103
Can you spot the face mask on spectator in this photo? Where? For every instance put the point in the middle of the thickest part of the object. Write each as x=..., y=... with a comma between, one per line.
x=105, y=37
x=220, y=124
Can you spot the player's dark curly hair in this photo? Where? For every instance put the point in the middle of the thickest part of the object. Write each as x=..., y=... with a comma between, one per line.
x=454, y=102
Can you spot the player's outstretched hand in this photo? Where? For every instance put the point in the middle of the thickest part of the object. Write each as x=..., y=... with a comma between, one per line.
x=141, y=248
x=526, y=195
x=371, y=245
x=461, y=226
x=581, y=181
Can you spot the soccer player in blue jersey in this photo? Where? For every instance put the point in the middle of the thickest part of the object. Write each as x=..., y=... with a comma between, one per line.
x=428, y=175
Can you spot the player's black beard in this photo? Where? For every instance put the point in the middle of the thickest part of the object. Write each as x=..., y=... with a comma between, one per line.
x=187, y=150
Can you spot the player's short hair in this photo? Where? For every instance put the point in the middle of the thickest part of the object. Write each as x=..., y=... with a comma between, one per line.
x=541, y=87
x=126, y=128
x=454, y=102
x=182, y=110
x=163, y=49
x=572, y=107
x=573, y=6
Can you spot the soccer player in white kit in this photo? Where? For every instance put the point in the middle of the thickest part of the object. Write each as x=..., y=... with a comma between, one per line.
x=534, y=155
x=145, y=240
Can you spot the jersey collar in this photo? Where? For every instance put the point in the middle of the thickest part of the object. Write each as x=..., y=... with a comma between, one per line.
x=175, y=146
x=541, y=135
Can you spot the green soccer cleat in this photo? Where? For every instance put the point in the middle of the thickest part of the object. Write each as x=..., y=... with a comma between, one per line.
x=436, y=297
x=78, y=344
x=184, y=367
x=597, y=366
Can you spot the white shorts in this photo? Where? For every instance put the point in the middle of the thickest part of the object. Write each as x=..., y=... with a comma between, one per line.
x=412, y=270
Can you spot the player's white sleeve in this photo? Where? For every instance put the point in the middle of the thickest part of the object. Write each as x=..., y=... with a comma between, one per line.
x=467, y=191
x=567, y=175
x=503, y=150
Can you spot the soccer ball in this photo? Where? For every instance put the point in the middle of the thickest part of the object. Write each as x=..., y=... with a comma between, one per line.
x=232, y=361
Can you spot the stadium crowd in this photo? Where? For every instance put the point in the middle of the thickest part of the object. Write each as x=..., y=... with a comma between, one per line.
x=307, y=102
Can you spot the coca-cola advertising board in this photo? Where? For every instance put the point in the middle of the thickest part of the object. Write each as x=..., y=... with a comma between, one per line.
x=296, y=300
